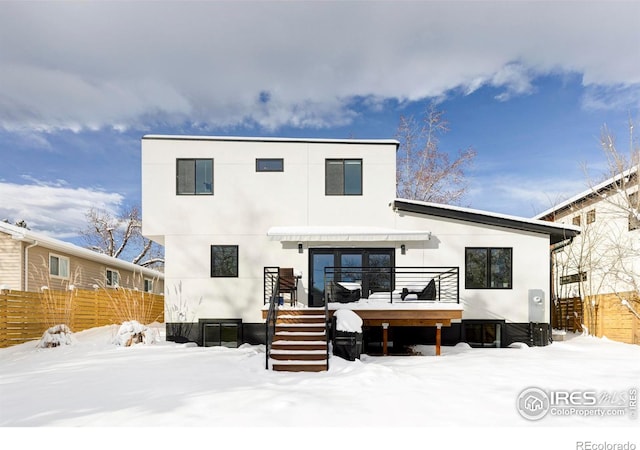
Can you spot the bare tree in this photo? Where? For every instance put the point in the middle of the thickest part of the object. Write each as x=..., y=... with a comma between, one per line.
x=424, y=172
x=121, y=237
x=605, y=257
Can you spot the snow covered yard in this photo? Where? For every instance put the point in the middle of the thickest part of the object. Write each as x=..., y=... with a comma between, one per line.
x=94, y=383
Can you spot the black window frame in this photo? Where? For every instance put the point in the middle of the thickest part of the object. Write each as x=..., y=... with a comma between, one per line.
x=194, y=191
x=488, y=275
x=221, y=324
x=259, y=160
x=591, y=216
x=221, y=274
x=485, y=326
x=334, y=192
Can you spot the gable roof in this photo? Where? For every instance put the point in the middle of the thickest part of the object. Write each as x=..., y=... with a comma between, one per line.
x=586, y=194
x=556, y=232
x=25, y=235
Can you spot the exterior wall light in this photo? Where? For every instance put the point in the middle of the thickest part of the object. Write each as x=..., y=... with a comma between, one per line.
x=403, y=249
x=299, y=247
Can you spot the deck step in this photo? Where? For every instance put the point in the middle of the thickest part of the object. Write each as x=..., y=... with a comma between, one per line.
x=301, y=327
x=302, y=356
x=299, y=366
x=299, y=345
x=298, y=336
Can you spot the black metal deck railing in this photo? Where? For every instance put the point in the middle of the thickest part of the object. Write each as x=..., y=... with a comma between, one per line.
x=271, y=294
x=392, y=284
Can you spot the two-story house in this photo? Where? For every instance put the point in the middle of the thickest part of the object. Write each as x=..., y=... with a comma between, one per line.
x=229, y=210
x=601, y=266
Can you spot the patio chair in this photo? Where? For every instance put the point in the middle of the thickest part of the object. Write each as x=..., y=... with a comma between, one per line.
x=342, y=294
x=428, y=293
x=288, y=284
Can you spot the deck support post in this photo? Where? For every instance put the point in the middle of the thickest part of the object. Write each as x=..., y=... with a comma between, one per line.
x=385, y=338
x=438, y=338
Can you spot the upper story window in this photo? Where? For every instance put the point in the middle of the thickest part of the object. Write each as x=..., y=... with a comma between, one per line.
x=224, y=261
x=194, y=176
x=113, y=278
x=343, y=177
x=269, y=165
x=591, y=216
x=576, y=221
x=58, y=266
x=488, y=268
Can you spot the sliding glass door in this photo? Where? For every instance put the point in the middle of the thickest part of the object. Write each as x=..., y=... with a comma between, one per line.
x=373, y=263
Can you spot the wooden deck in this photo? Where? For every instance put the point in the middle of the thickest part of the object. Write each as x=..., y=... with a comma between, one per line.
x=403, y=314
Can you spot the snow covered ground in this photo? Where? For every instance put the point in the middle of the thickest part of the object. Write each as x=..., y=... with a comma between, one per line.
x=94, y=383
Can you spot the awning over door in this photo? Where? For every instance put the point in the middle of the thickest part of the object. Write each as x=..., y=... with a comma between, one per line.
x=341, y=234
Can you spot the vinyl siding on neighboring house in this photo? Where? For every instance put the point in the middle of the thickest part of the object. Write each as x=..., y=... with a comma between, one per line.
x=10, y=262
x=83, y=273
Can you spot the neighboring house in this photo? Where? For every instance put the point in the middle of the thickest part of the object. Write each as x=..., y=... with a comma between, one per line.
x=230, y=210
x=601, y=267
x=29, y=261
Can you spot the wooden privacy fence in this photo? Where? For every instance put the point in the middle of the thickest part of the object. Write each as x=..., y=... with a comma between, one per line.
x=24, y=316
x=604, y=316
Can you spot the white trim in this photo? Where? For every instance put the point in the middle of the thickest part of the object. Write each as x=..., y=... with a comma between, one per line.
x=270, y=139
x=341, y=234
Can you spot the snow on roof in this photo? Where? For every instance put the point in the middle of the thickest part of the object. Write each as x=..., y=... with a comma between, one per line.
x=476, y=214
x=586, y=193
x=322, y=233
x=25, y=235
x=270, y=139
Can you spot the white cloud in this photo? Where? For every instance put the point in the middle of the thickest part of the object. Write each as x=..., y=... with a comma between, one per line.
x=87, y=65
x=53, y=208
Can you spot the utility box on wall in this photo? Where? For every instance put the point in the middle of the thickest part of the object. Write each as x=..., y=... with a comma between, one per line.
x=537, y=306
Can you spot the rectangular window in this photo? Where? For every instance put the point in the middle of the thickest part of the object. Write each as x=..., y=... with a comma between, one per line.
x=488, y=268
x=148, y=285
x=224, y=261
x=58, y=266
x=343, y=177
x=574, y=278
x=634, y=215
x=478, y=334
x=194, y=176
x=591, y=216
x=269, y=165
x=113, y=278
x=576, y=221
x=221, y=332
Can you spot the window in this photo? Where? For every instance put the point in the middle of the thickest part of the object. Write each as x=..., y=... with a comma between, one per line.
x=221, y=332
x=479, y=333
x=343, y=177
x=224, y=261
x=591, y=216
x=576, y=221
x=148, y=285
x=194, y=176
x=58, y=266
x=113, y=278
x=269, y=165
x=488, y=268
x=573, y=278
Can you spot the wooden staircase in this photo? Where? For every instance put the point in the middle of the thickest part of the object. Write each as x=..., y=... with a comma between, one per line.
x=300, y=341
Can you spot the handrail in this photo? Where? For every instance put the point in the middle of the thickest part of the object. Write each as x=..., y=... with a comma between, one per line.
x=392, y=281
x=326, y=326
x=271, y=284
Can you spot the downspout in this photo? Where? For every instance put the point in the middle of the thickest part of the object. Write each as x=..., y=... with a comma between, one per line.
x=554, y=249
x=26, y=265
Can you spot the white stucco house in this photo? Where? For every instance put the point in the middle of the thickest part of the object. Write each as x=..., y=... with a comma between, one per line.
x=229, y=210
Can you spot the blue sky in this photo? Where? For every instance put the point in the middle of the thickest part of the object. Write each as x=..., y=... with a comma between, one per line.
x=527, y=84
